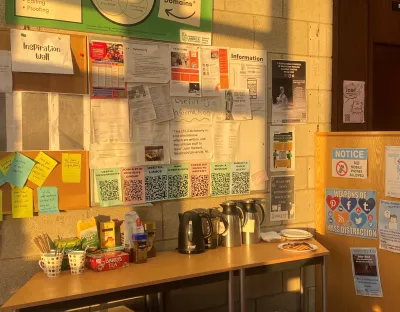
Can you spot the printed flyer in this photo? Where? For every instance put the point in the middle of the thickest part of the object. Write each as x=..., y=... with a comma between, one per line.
x=389, y=226
x=156, y=183
x=220, y=179
x=366, y=272
x=199, y=179
x=133, y=190
x=392, y=175
x=215, y=70
x=282, y=198
x=353, y=101
x=351, y=212
x=178, y=181
x=283, y=154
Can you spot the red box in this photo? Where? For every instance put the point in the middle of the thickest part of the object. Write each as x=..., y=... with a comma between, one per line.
x=107, y=261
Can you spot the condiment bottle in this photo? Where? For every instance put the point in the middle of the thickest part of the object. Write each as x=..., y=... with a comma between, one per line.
x=139, y=248
x=150, y=230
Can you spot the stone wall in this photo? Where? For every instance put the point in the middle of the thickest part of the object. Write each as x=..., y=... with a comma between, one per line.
x=287, y=29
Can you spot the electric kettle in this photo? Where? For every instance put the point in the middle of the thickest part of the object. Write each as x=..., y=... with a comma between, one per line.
x=231, y=211
x=191, y=235
x=255, y=216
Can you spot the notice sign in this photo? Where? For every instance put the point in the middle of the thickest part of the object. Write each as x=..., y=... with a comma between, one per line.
x=350, y=163
x=282, y=198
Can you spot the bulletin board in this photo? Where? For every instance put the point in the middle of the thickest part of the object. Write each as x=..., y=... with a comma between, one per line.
x=340, y=282
x=70, y=195
x=40, y=82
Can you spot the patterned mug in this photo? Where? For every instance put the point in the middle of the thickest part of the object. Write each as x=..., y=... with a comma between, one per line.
x=51, y=264
x=77, y=261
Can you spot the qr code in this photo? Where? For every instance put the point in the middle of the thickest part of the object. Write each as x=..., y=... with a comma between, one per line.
x=109, y=190
x=133, y=191
x=200, y=185
x=220, y=183
x=240, y=182
x=156, y=188
x=346, y=117
x=178, y=186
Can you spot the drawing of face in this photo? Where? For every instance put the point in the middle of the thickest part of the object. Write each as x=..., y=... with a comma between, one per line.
x=393, y=218
x=282, y=89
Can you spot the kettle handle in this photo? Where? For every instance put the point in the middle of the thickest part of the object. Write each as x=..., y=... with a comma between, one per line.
x=226, y=224
x=207, y=217
x=244, y=216
x=262, y=213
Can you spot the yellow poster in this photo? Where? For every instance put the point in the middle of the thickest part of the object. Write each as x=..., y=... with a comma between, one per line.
x=71, y=168
x=42, y=169
x=22, y=202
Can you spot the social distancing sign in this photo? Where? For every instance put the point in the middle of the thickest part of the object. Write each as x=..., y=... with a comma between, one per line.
x=350, y=163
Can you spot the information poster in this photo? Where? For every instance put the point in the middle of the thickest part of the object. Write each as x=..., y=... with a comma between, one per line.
x=350, y=163
x=133, y=188
x=186, y=21
x=237, y=105
x=107, y=71
x=156, y=183
x=351, y=212
x=215, y=70
x=240, y=182
x=283, y=154
x=282, y=198
x=392, y=175
x=353, y=101
x=178, y=181
x=220, y=179
x=195, y=110
x=366, y=272
x=289, y=104
x=389, y=226
x=199, y=180
x=109, y=187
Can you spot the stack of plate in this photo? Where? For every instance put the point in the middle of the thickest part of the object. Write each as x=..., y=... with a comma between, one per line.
x=295, y=234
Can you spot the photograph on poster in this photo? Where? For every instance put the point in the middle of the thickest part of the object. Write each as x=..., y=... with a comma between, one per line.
x=154, y=153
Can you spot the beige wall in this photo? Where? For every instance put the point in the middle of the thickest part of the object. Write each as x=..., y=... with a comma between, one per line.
x=287, y=29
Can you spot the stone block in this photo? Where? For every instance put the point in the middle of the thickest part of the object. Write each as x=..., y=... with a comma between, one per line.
x=166, y=245
x=319, y=39
x=288, y=302
x=319, y=73
x=301, y=173
x=14, y=274
x=311, y=172
x=309, y=276
x=197, y=298
x=256, y=7
x=310, y=300
x=219, y=4
x=319, y=106
x=233, y=30
x=20, y=232
x=262, y=285
x=278, y=35
x=309, y=10
x=305, y=139
x=291, y=280
x=305, y=206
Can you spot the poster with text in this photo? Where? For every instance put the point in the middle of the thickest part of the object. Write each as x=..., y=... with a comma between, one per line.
x=187, y=21
x=351, y=213
x=178, y=181
x=133, y=189
x=366, y=272
x=199, y=179
x=389, y=226
x=350, y=163
x=283, y=155
x=289, y=103
x=240, y=182
x=215, y=70
x=282, y=198
x=196, y=110
x=353, y=101
x=156, y=183
x=392, y=175
x=220, y=179
x=106, y=68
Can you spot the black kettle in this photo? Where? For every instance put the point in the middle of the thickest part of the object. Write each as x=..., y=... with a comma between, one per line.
x=191, y=236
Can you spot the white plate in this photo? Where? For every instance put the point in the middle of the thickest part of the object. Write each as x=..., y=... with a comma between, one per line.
x=297, y=238
x=280, y=246
x=295, y=233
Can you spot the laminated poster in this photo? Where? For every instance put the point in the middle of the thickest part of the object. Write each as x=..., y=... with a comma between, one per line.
x=133, y=188
x=199, y=180
x=392, y=175
x=240, y=182
x=353, y=101
x=178, y=181
x=282, y=198
x=351, y=212
x=283, y=155
x=215, y=70
x=366, y=272
x=220, y=179
x=389, y=226
x=109, y=187
x=156, y=183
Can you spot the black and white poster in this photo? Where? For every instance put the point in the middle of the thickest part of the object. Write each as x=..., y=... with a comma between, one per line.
x=289, y=104
x=282, y=198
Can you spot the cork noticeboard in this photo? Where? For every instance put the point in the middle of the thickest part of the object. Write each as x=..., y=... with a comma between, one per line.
x=70, y=195
x=76, y=83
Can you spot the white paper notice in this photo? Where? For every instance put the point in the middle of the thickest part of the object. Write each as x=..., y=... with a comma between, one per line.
x=353, y=101
x=237, y=105
x=392, y=176
x=190, y=142
x=151, y=132
x=141, y=107
x=5, y=71
x=247, y=71
x=196, y=110
x=282, y=150
x=185, y=72
x=161, y=102
x=110, y=121
x=147, y=63
x=225, y=138
x=215, y=70
x=39, y=52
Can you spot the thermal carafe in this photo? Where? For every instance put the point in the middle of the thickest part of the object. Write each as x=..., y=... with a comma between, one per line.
x=255, y=215
x=236, y=219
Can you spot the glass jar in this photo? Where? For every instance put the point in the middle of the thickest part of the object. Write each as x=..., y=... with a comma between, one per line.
x=150, y=230
x=139, y=252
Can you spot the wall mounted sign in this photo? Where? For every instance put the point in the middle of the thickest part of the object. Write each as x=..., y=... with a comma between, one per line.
x=350, y=163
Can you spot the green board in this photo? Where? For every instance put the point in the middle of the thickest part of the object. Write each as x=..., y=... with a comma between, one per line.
x=169, y=20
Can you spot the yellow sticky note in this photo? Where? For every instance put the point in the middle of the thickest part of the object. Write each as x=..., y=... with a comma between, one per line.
x=5, y=163
x=71, y=168
x=1, y=205
x=43, y=167
x=22, y=202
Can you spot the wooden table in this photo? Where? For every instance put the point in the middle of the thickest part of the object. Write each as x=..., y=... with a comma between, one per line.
x=168, y=268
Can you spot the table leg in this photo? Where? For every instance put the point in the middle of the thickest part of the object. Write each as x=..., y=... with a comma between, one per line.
x=160, y=300
x=323, y=284
x=231, y=300
x=242, y=291
x=302, y=294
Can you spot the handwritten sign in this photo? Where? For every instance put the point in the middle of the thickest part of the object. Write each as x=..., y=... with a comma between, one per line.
x=71, y=168
x=44, y=166
x=48, y=200
x=19, y=170
x=5, y=163
x=22, y=202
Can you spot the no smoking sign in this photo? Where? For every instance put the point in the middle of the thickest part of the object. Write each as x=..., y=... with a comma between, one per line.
x=350, y=163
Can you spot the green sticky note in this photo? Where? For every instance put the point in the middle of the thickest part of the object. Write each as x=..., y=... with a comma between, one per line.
x=19, y=170
x=48, y=199
x=178, y=181
x=220, y=179
x=109, y=186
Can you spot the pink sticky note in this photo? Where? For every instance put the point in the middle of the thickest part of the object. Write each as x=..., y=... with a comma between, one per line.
x=199, y=179
x=133, y=187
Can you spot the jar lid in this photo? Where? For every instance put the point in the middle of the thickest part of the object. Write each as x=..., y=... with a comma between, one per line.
x=139, y=236
x=149, y=226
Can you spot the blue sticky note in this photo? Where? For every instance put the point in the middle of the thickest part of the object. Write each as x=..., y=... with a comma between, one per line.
x=48, y=199
x=19, y=170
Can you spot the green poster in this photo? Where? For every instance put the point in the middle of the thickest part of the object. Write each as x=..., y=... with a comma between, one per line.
x=187, y=21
